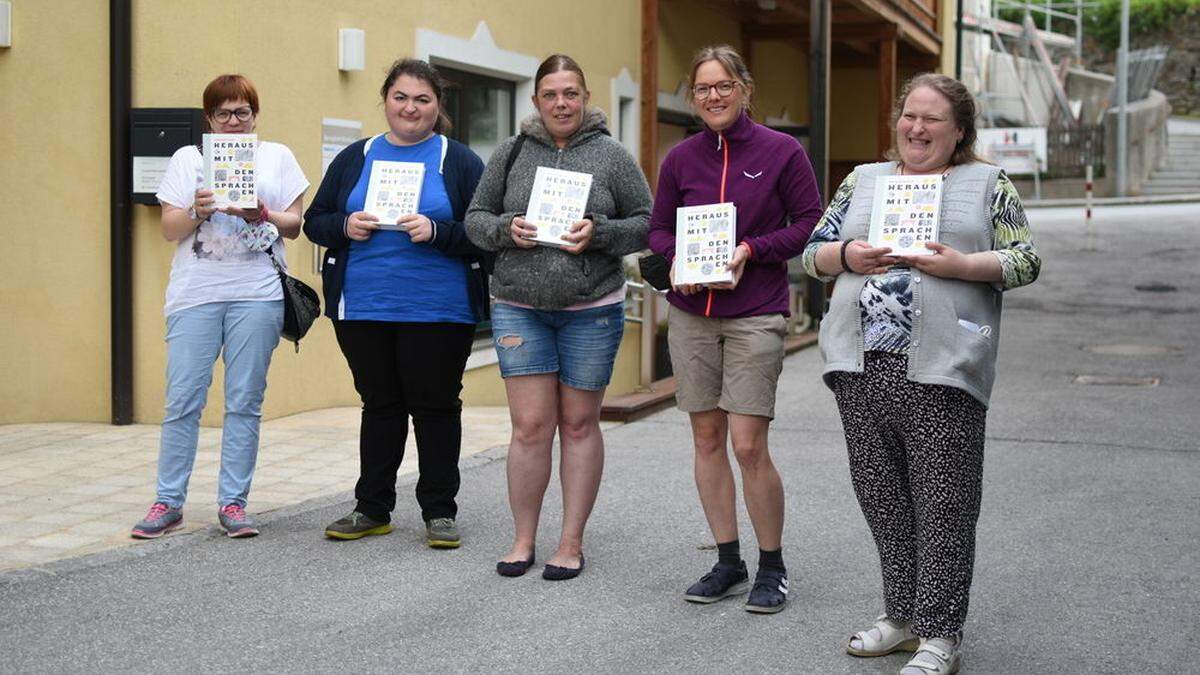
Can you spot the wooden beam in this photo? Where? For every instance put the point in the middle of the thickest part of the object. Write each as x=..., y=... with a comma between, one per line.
x=818, y=93
x=818, y=125
x=649, y=92
x=887, y=94
x=912, y=29
x=865, y=31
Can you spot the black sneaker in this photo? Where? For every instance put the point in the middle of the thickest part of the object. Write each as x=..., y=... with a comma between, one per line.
x=769, y=594
x=722, y=582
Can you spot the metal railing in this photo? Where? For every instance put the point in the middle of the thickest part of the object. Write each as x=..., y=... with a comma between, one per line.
x=1070, y=151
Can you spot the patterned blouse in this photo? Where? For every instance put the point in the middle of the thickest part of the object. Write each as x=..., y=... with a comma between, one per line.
x=886, y=299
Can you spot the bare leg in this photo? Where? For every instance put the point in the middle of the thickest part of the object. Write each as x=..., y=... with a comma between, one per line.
x=533, y=407
x=760, y=480
x=714, y=477
x=581, y=468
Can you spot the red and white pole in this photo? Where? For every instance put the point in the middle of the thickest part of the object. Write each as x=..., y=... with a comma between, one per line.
x=1087, y=220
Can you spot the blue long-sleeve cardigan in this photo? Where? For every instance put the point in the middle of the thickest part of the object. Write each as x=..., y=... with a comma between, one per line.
x=325, y=221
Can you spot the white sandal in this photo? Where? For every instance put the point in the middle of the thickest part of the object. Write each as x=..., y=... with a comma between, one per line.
x=882, y=638
x=934, y=659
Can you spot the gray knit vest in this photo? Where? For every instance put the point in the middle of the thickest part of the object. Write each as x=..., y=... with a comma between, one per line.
x=942, y=351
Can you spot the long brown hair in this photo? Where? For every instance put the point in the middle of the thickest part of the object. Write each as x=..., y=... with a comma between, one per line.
x=427, y=74
x=962, y=109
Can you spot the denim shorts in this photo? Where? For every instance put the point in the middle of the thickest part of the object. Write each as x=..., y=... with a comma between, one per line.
x=580, y=345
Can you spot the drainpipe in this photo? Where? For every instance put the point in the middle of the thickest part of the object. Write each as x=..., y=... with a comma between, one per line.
x=958, y=41
x=120, y=171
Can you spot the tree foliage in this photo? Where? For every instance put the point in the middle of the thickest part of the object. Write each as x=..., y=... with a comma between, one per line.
x=1102, y=20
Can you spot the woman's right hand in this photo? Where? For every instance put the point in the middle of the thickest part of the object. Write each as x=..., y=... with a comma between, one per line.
x=361, y=225
x=866, y=259
x=203, y=204
x=682, y=289
x=522, y=232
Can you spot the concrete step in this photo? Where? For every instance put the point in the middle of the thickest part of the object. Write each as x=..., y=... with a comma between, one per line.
x=1171, y=172
x=1150, y=189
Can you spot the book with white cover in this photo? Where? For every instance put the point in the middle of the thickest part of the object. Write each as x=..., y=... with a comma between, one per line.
x=229, y=169
x=394, y=190
x=558, y=201
x=905, y=213
x=704, y=243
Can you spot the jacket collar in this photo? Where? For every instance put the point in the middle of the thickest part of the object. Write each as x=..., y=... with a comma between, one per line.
x=594, y=124
x=739, y=131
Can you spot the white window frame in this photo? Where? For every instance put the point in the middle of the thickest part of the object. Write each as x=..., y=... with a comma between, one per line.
x=481, y=55
x=625, y=89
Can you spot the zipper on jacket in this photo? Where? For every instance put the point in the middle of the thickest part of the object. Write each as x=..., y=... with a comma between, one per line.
x=724, y=172
x=557, y=157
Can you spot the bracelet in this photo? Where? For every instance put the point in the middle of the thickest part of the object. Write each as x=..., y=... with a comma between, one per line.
x=842, y=256
x=263, y=214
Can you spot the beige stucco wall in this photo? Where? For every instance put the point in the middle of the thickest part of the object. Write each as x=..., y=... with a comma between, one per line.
x=57, y=297
x=54, y=213
x=853, y=97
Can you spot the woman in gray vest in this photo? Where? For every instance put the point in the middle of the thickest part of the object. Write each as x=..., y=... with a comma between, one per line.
x=910, y=347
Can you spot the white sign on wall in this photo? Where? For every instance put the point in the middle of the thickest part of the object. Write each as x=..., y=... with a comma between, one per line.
x=335, y=136
x=1025, y=136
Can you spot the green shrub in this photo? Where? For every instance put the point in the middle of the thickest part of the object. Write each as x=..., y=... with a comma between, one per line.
x=1102, y=21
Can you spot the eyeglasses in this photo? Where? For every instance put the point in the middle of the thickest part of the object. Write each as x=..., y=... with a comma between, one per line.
x=724, y=88
x=222, y=115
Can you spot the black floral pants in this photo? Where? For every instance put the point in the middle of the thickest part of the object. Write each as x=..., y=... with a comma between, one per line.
x=916, y=462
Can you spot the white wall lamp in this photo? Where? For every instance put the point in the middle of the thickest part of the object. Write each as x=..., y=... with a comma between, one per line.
x=5, y=23
x=352, y=49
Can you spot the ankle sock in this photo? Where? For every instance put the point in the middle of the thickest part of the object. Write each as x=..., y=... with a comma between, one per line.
x=729, y=553
x=771, y=560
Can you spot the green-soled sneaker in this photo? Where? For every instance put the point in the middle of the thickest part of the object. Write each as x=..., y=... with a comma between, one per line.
x=442, y=533
x=356, y=526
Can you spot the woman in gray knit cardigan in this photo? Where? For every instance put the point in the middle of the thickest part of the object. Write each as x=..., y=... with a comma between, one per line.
x=558, y=315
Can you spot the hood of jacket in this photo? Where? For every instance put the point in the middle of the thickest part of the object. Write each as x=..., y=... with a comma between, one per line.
x=594, y=123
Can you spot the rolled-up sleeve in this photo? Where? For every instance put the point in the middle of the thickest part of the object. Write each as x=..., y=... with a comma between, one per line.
x=1012, y=240
x=829, y=227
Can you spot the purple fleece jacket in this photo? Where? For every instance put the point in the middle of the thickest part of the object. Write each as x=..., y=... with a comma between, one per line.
x=770, y=180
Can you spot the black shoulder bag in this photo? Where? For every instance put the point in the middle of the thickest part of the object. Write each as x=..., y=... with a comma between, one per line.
x=301, y=304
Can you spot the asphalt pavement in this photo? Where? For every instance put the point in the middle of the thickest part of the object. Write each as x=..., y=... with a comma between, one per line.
x=1087, y=559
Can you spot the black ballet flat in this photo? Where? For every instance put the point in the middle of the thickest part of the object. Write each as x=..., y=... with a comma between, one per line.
x=556, y=573
x=514, y=569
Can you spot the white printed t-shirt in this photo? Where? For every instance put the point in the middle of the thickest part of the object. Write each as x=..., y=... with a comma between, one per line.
x=212, y=264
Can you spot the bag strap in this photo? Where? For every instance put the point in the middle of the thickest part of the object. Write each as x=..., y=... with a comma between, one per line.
x=275, y=263
x=513, y=154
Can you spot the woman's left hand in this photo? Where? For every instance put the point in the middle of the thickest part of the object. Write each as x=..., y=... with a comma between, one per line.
x=418, y=227
x=248, y=215
x=737, y=265
x=945, y=262
x=581, y=235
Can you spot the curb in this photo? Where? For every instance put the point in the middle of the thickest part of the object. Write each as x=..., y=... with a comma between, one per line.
x=1181, y=198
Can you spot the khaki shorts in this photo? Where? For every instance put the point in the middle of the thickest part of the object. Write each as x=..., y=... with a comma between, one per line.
x=731, y=364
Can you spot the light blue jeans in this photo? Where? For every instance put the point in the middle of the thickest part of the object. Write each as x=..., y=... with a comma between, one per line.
x=248, y=332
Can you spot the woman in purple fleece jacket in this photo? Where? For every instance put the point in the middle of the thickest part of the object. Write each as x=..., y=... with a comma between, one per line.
x=726, y=339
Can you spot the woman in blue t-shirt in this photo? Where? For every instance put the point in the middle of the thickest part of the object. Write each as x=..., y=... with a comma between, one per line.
x=404, y=299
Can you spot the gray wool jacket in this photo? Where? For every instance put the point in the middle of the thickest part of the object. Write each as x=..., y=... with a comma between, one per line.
x=619, y=204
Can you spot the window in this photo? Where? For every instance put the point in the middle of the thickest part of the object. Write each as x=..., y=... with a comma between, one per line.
x=481, y=109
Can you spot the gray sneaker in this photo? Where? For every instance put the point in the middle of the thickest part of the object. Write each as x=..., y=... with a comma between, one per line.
x=159, y=520
x=442, y=533
x=356, y=526
x=235, y=522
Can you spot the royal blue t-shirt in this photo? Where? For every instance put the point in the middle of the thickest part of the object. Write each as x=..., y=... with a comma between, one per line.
x=388, y=277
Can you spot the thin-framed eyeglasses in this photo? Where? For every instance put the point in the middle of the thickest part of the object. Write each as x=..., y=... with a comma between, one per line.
x=222, y=115
x=723, y=88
